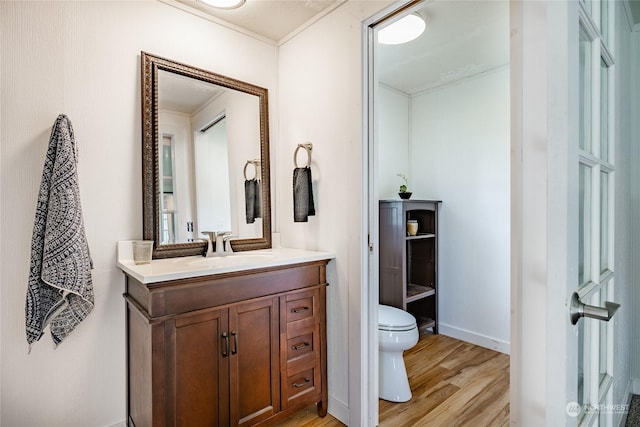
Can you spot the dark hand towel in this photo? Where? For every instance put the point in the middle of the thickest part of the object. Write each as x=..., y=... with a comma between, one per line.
x=250, y=200
x=257, y=209
x=60, y=290
x=302, y=194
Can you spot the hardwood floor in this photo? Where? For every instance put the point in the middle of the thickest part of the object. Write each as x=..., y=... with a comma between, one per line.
x=453, y=384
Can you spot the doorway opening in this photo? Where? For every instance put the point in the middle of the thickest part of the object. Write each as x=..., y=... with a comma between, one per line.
x=438, y=114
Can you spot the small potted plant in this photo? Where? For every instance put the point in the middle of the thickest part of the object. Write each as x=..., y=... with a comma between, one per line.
x=402, y=192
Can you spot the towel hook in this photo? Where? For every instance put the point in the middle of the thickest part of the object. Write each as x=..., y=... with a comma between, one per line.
x=308, y=147
x=255, y=163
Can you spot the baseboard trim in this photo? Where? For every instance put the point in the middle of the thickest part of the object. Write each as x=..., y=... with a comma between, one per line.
x=338, y=410
x=475, y=338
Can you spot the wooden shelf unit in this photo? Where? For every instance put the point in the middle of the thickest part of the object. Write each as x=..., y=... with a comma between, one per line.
x=409, y=264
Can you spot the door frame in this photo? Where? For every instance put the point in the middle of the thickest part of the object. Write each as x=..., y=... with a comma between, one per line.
x=369, y=256
x=542, y=174
x=543, y=239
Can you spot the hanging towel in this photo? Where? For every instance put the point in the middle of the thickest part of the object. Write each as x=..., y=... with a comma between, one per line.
x=60, y=290
x=302, y=195
x=257, y=204
x=250, y=200
x=253, y=206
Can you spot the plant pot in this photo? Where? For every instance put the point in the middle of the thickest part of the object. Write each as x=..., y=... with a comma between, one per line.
x=406, y=195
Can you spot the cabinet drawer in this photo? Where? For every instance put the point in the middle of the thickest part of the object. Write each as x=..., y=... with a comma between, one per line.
x=300, y=309
x=299, y=346
x=302, y=382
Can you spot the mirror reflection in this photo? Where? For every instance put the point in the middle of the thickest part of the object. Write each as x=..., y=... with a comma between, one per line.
x=210, y=167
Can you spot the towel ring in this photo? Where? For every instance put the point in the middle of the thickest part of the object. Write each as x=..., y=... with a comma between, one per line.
x=255, y=163
x=308, y=147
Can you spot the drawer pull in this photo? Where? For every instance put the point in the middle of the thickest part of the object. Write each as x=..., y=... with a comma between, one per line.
x=300, y=346
x=306, y=381
x=225, y=344
x=299, y=309
x=234, y=334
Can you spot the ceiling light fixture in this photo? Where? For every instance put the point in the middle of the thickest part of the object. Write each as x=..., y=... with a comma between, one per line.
x=403, y=30
x=224, y=4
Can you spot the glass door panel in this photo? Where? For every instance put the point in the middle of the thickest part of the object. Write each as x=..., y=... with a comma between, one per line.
x=604, y=222
x=584, y=226
x=604, y=111
x=585, y=91
x=596, y=215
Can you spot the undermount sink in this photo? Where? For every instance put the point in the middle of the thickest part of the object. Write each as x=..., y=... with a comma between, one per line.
x=232, y=259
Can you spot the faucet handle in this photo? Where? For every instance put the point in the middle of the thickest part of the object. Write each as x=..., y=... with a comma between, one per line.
x=227, y=242
x=220, y=241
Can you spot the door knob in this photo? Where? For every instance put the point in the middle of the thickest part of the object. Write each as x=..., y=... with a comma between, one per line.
x=579, y=309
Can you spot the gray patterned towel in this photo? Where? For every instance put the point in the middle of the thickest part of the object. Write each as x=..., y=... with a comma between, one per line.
x=60, y=291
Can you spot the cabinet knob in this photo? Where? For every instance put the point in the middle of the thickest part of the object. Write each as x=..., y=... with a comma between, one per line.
x=299, y=309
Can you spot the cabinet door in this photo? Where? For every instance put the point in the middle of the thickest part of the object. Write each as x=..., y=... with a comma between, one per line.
x=254, y=361
x=197, y=370
x=392, y=254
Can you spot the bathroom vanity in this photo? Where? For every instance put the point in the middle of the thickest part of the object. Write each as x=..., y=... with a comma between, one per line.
x=232, y=341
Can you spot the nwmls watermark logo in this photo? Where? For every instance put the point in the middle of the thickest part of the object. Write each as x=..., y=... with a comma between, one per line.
x=574, y=408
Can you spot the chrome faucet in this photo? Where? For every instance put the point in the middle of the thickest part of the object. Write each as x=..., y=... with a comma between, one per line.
x=220, y=241
x=211, y=242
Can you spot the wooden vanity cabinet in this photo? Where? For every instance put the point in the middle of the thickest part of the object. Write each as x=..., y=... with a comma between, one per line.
x=237, y=349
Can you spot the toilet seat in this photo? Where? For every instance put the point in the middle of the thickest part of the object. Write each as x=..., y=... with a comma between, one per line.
x=394, y=319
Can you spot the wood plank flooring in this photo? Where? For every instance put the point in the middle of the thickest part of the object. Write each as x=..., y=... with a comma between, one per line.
x=453, y=384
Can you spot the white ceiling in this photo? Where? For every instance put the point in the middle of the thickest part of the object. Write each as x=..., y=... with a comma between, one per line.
x=462, y=39
x=272, y=19
x=185, y=95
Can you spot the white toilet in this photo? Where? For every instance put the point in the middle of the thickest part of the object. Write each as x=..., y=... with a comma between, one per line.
x=397, y=332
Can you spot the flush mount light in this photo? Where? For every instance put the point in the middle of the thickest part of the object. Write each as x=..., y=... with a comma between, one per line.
x=402, y=31
x=224, y=4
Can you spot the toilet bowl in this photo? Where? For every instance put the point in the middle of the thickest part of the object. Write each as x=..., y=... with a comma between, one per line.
x=397, y=332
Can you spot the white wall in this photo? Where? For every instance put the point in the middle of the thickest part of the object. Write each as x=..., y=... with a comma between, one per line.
x=635, y=197
x=393, y=142
x=624, y=260
x=82, y=59
x=243, y=138
x=453, y=142
x=460, y=155
x=321, y=102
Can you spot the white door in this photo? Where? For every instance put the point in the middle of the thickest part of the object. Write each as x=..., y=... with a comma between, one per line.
x=563, y=200
x=596, y=174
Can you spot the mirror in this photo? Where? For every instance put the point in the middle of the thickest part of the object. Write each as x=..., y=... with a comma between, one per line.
x=205, y=159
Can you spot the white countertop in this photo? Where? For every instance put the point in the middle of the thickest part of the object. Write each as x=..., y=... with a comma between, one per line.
x=160, y=270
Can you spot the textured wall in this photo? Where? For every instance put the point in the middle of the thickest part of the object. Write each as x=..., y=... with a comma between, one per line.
x=460, y=155
x=321, y=102
x=82, y=58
